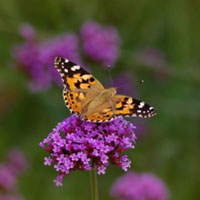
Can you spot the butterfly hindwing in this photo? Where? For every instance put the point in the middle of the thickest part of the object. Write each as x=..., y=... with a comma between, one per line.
x=71, y=101
x=131, y=107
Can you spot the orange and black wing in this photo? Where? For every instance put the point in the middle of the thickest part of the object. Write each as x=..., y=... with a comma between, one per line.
x=130, y=107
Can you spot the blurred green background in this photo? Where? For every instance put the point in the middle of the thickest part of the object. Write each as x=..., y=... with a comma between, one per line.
x=171, y=145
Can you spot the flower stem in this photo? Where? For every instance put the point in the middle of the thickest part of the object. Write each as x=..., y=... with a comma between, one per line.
x=94, y=185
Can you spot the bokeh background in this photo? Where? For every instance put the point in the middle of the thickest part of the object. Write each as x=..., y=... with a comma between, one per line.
x=159, y=50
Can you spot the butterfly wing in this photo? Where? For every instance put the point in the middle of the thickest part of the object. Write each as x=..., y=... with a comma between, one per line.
x=123, y=106
x=130, y=107
x=80, y=87
x=74, y=77
x=102, y=113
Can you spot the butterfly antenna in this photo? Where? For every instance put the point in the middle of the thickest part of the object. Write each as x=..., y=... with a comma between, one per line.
x=110, y=75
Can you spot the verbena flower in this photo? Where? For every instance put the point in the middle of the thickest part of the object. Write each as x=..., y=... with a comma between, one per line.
x=7, y=179
x=145, y=186
x=100, y=43
x=10, y=170
x=77, y=145
x=36, y=58
x=16, y=162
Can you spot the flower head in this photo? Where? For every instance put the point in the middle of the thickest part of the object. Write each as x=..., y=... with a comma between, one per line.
x=9, y=173
x=36, y=58
x=133, y=186
x=16, y=162
x=100, y=43
x=78, y=145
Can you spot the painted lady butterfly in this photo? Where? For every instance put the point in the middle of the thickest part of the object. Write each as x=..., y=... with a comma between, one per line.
x=86, y=97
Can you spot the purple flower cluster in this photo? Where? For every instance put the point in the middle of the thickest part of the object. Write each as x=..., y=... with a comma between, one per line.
x=78, y=145
x=133, y=186
x=100, y=43
x=10, y=170
x=36, y=58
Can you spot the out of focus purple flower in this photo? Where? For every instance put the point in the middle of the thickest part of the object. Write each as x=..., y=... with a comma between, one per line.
x=63, y=46
x=151, y=57
x=9, y=173
x=145, y=186
x=16, y=162
x=100, y=43
x=36, y=58
x=125, y=84
x=155, y=60
x=10, y=196
x=27, y=32
x=7, y=179
x=78, y=145
x=142, y=126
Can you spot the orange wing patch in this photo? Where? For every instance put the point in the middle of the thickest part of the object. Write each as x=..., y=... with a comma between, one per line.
x=130, y=107
x=103, y=116
x=73, y=101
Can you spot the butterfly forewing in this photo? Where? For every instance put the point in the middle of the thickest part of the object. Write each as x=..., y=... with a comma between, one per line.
x=75, y=77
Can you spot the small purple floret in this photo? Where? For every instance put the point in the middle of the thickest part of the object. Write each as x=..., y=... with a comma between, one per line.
x=78, y=145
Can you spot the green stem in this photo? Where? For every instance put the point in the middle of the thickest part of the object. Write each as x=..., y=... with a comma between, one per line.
x=94, y=185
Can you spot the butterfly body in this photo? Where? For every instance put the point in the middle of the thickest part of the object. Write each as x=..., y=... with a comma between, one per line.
x=86, y=97
x=103, y=97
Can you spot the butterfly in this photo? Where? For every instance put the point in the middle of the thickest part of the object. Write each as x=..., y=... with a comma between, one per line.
x=86, y=97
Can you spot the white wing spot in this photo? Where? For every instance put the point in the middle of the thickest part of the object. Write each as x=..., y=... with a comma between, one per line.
x=75, y=67
x=141, y=104
x=66, y=70
x=66, y=60
x=62, y=75
x=151, y=108
x=139, y=111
